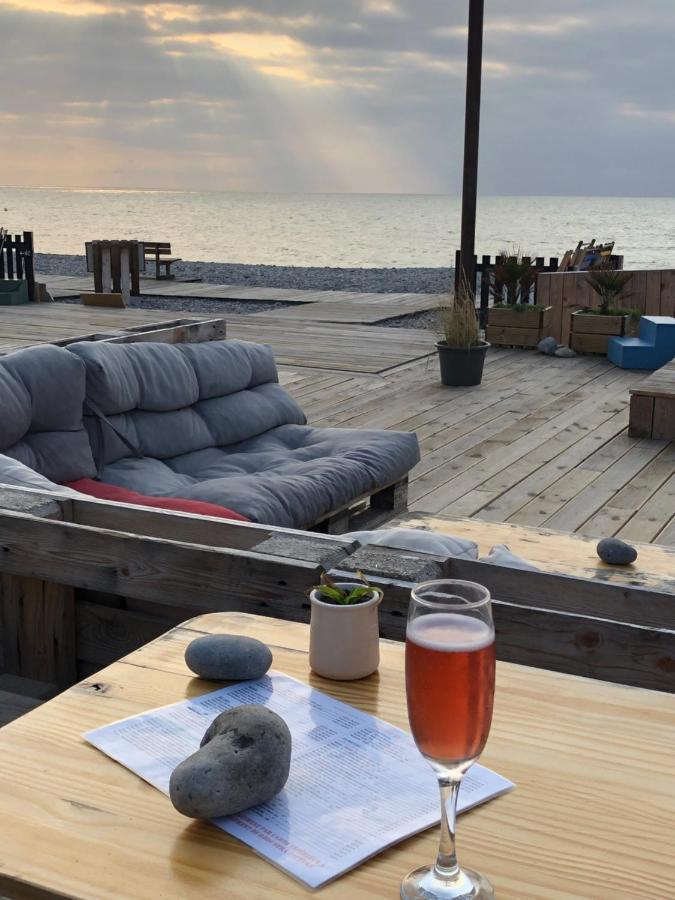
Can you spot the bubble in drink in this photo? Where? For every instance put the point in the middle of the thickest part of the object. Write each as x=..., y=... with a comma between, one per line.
x=450, y=672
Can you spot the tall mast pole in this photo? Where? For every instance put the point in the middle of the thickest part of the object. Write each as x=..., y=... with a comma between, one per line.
x=474, y=63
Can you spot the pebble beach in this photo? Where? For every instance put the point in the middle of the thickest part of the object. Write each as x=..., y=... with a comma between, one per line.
x=312, y=278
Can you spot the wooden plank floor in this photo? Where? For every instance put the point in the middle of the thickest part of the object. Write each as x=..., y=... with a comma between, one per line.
x=336, y=306
x=541, y=442
x=345, y=347
x=338, y=347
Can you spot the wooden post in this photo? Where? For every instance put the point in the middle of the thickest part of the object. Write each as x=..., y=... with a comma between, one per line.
x=38, y=617
x=471, y=130
x=29, y=265
x=134, y=265
x=485, y=274
x=106, y=267
x=97, y=265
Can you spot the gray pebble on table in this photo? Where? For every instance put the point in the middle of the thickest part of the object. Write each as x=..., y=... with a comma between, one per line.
x=228, y=657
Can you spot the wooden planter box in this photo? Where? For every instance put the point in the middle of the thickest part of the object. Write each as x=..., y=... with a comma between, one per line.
x=519, y=329
x=590, y=334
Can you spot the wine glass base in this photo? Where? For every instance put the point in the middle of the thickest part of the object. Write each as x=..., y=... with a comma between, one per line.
x=426, y=884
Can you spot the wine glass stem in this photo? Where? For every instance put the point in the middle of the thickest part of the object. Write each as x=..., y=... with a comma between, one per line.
x=446, y=862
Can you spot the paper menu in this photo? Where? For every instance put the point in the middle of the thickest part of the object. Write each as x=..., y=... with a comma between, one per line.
x=357, y=784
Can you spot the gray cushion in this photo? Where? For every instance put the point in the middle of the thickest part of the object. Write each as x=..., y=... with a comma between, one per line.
x=210, y=422
x=169, y=399
x=290, y=476
x=41, y=395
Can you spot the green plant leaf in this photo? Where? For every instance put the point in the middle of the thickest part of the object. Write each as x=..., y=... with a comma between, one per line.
x=364, y=593
x=332, y=593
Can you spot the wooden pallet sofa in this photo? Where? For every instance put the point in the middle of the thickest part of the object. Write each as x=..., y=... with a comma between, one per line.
x=204, y=422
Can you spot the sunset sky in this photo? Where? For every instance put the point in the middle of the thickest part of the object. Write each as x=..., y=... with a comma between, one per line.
x=336, y=95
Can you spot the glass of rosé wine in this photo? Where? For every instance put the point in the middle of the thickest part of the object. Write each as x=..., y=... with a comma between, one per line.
x=450, y=684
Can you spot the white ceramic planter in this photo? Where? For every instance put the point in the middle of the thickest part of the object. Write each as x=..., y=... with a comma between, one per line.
x=344, y=641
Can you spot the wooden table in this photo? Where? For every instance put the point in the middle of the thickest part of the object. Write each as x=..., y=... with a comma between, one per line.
x=592, y=815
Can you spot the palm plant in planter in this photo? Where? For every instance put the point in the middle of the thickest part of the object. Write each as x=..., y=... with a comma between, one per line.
x=461, y=352
x=513, y=321
x=609, y=285
x=514, y=278
x=592, y=328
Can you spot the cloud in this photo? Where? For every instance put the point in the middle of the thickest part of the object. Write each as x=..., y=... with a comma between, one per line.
x=336, y=95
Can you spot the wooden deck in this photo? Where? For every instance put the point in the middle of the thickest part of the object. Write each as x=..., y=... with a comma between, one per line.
x=313, y=306
x=541, y=442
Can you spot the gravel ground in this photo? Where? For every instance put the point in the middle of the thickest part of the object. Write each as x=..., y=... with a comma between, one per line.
x=415, y=281
x=197, y=305
x=428, y=320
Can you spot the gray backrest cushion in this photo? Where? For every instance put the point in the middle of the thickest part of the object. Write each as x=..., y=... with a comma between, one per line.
x=171, y=399
x=41, y=396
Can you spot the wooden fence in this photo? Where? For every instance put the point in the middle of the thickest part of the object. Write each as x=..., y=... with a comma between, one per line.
x=485, y=267
x=16, y=259
x=651, y=293
x=83, y=582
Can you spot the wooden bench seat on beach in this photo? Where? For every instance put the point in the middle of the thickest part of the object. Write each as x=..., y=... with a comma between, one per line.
x=160, y=253
x=652, y=405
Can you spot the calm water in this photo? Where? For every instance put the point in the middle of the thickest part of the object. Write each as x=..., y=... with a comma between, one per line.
x=345, y=230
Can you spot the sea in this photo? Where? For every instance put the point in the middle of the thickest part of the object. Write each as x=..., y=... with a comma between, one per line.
x=338, y=230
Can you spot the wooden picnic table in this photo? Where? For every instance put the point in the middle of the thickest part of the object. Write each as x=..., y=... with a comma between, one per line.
x=592, y=816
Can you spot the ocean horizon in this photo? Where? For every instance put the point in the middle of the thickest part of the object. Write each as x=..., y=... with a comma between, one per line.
x=337, y=230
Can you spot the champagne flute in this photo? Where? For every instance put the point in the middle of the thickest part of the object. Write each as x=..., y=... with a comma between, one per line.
x=450, y=679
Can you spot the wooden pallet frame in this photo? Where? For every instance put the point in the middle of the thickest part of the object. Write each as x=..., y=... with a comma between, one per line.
x=85, y=581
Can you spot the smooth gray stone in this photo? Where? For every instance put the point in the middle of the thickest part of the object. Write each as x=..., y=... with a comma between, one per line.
x=228, y=657
x=244, y=760
x=564, y=352
x=616, y=552
x=547, y=345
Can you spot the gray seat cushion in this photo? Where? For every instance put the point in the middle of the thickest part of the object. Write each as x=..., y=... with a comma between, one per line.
x=289, y=476
x=41, y=395
x=210, y=422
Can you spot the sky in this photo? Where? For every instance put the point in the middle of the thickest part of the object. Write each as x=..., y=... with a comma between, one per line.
x=337, y=95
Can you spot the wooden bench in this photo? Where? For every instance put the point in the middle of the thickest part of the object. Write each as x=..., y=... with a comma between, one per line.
x=160, y=252
x=652, y=405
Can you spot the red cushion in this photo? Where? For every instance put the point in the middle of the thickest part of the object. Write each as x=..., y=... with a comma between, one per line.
x=111, y=492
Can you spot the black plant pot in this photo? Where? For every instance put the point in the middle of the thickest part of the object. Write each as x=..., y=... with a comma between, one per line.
x=462, y=366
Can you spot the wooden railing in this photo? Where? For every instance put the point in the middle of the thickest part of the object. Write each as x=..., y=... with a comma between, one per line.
x=83, y=582
x=16, y=259
x=485, y=267
x=650, y=292
x=490, y=287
